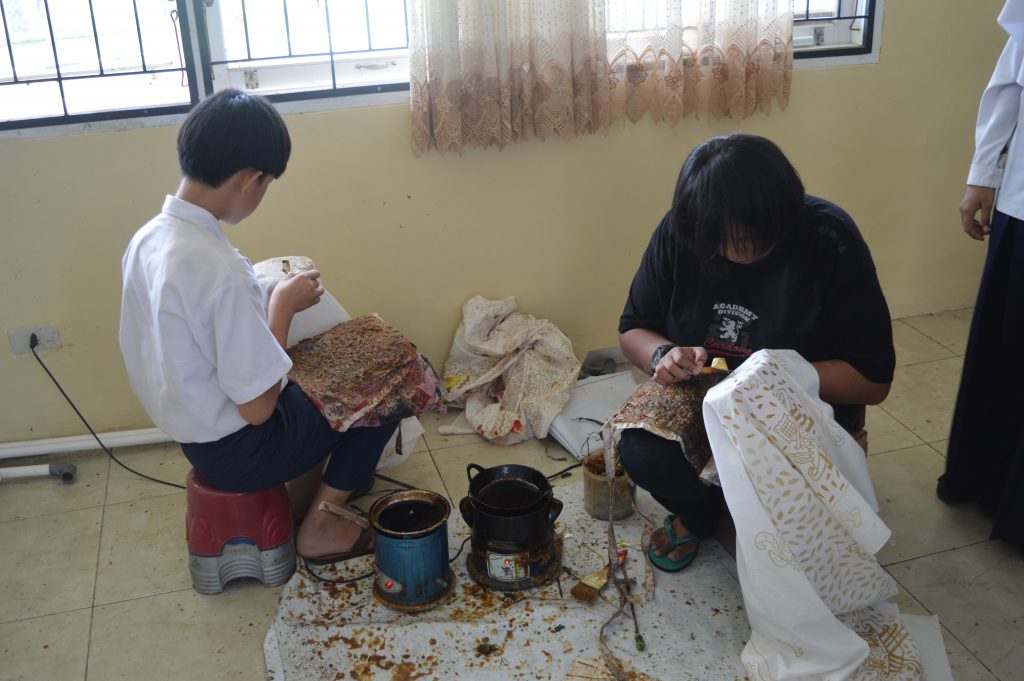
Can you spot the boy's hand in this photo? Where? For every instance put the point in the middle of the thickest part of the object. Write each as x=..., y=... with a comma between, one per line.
x=977, y=201
x=297, y=291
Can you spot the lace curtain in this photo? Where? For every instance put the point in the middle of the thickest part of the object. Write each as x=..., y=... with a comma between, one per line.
x=486, y=72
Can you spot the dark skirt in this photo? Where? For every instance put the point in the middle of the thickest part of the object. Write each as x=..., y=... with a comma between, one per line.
x=985, y=460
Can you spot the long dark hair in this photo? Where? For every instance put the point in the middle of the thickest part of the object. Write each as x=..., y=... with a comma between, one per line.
x=739, y=188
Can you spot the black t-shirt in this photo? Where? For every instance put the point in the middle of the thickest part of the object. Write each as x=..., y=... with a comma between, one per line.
x=818, y=295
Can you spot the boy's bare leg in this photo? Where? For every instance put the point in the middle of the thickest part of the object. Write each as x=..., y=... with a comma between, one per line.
x=302, y=489
x=323, y=534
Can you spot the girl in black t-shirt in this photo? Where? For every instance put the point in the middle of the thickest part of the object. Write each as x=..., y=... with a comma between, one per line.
x=746, y=260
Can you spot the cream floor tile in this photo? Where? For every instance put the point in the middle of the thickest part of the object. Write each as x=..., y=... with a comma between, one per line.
x=941, y=446
x=53, y=647
x=430, y=422
x=184, y=636
x=143, y=551
x=949, y=329
x=962, y=663
x=909, y=605
x=32, y=497
x=923, y=395
x=161, y=461
x=921, y=524
x=886, y=433
x=978, y=596
x=913, y=347
x=546, y=456
x=48, y=563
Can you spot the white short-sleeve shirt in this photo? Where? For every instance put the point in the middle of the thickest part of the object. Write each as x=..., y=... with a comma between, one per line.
x=194, y=330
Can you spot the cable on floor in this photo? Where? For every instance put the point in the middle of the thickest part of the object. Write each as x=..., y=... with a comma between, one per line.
x=32, y=343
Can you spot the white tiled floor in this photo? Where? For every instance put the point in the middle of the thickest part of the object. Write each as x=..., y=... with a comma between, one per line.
x=95, y=582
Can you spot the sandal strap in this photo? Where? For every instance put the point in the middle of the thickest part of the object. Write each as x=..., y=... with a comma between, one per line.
x=673, y=537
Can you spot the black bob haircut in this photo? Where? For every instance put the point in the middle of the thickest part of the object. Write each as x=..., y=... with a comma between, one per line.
x=739, y=190
x=231, y=131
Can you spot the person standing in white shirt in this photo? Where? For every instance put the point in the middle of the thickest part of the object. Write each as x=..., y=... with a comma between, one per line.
x=985, y=458
x=205, y=351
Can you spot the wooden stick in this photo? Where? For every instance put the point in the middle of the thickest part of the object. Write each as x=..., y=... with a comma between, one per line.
x=344, y=514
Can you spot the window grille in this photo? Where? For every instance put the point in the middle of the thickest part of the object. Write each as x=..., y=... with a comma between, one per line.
x=832, y=28
x=297, y=49
x=70, y=61
x=92, y=60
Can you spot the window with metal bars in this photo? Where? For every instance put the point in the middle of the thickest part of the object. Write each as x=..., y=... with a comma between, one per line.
x=832, y=28
x=92, y=60
x=299, y=49
x=69, y=61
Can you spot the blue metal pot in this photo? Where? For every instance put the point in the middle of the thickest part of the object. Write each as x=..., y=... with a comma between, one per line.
x=411, y=549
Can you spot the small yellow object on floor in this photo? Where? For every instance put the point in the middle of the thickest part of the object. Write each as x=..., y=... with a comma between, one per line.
x=588, y=588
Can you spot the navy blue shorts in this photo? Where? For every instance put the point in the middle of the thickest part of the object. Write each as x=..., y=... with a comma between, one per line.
x=291, y=442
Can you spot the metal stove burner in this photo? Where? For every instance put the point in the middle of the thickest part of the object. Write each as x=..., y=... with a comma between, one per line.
x=387, y=591
x=509, y=571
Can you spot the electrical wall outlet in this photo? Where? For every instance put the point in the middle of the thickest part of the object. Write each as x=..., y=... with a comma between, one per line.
x=47, y=334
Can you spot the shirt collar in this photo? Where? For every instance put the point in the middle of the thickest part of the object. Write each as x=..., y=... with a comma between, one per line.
x=189, y=212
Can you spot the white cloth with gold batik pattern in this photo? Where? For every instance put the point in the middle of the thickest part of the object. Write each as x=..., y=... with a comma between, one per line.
x=798, y=488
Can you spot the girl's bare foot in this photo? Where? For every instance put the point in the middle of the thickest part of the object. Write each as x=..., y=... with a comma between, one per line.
x=661, y=543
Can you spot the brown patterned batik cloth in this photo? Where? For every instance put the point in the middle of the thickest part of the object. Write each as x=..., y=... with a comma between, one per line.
x=674, y=412
x=364, y=372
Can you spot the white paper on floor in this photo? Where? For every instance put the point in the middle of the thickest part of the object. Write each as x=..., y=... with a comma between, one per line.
x=578, y=426
x=694, y=628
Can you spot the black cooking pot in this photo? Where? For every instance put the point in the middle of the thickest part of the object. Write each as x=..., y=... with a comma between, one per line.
x=509, y=489
x=526, y=531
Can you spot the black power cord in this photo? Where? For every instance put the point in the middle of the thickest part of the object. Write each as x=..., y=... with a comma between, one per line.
x=33, y=341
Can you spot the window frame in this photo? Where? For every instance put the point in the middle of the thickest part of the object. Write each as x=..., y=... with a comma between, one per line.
x=872, y=14
x=195, y=43
x=86, y=119
x=336, y=91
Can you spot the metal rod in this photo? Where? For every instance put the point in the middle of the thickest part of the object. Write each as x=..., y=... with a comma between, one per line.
x=827, y=19
x=56, y=59
x=366, y=15
x=10, y=48
x=405, y=27
x=287, y=27
x=88, y=76
x=330, y=44
x=298, y=56
x=245, y=25
x=95, y=37
x=138, y=31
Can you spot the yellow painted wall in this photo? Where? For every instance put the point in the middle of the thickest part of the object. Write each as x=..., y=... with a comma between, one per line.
x=561, y=225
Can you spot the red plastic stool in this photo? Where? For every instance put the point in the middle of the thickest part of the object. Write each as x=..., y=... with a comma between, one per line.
x=231, y=535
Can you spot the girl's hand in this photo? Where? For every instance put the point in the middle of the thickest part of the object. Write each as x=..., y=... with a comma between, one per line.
x=680, y=364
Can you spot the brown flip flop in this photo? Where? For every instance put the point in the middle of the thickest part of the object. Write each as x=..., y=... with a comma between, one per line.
x=362, y=547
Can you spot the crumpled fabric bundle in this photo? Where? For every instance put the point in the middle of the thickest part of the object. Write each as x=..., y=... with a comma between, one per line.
x=363, y=372
x=800, y=494
x=674, y=412
x=512, y=372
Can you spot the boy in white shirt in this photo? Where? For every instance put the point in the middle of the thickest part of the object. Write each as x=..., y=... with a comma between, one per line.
x=204, y=349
